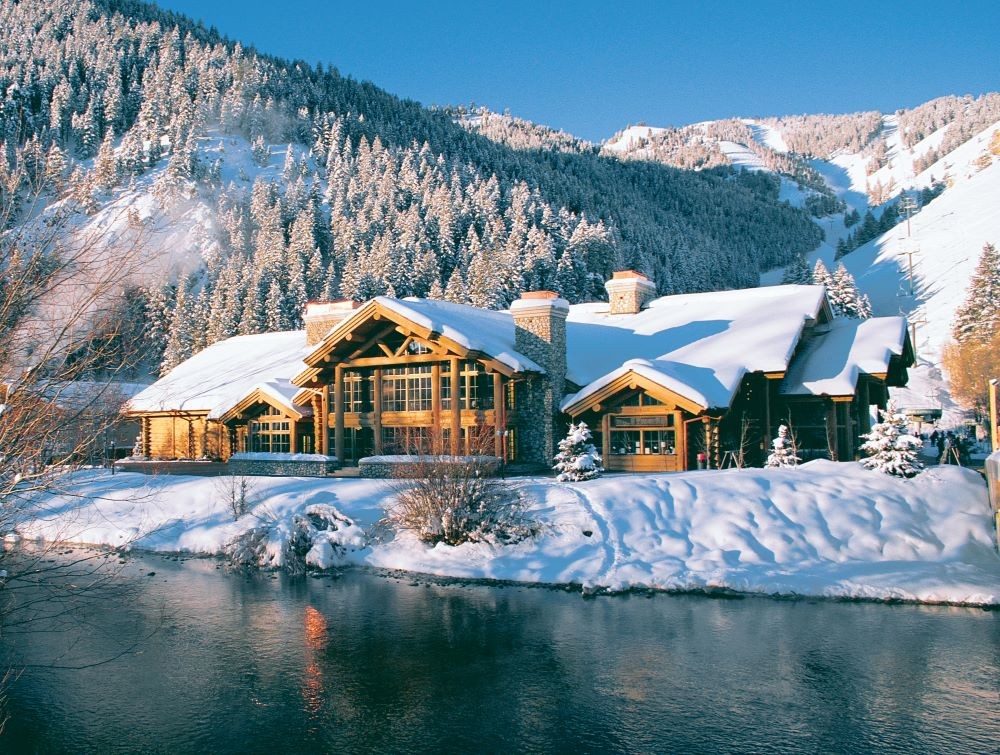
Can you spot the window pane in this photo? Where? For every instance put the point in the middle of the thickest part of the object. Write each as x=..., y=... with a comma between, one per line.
x=626, y=442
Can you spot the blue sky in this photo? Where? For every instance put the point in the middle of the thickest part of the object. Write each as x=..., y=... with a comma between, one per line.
x=592, y=68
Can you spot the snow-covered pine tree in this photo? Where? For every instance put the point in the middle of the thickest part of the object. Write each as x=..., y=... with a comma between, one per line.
x=577, y=458
x=783, y=450
x=821, y=276
x=890, y=446
x=979, y=314
x=845, y=298
x=798, y=271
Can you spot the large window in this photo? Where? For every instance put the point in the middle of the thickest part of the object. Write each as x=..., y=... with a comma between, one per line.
x=406, y=440
x=270, y=434
x=643, y=435
x=475, y=386
x=357, y=392
x=407, y=389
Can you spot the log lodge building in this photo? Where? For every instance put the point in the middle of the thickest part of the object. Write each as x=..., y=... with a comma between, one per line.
x=664, y=383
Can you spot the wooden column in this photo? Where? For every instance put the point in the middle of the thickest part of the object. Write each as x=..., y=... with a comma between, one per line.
x=456, y=406
x=323, y=440
x=767, y=413
x=293, y=436
x=832, y=430
x=605, y=438
x=377, y=410
x=338, y=412
x=708, y=442
x=436, y=408
x=317, y=424
x=498, y=423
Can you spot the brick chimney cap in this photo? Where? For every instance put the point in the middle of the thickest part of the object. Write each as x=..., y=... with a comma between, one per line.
x=624, y=274
x=539, y=295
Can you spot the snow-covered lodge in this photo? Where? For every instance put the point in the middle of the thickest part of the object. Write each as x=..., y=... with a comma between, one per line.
x=663, y=382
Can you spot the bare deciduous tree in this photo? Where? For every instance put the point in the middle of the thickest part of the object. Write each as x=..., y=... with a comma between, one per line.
x=65, y=342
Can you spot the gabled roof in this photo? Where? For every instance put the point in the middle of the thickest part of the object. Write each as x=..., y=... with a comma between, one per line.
x=829, y=363
x=277, y=393
x=461, y=327
x=698, y=346
x=220, y=376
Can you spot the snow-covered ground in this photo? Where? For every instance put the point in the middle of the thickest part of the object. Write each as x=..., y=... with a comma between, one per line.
x=822, y=529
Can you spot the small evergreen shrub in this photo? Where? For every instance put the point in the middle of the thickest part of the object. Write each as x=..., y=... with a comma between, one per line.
x=890, y=446
x=783, y=450
x=577, y=458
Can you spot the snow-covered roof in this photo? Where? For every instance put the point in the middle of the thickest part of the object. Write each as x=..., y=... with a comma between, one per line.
x=697, y=345
x=218, y=377
x=483, y=330
x=829, y=363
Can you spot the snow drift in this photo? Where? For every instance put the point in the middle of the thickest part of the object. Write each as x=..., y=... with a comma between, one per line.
x=821, y=529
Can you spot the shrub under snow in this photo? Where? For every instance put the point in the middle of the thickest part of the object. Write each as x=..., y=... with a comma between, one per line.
x=890, y=446
x=455, y=503
x=319, y=537
x=577, y=458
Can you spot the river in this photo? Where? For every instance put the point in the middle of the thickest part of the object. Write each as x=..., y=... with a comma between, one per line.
x=364, y=662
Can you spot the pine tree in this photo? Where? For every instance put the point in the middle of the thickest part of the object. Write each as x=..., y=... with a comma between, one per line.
x=55, y=169
x=845, y=299
x=821, y=276
x=798, y=272
x=783, y=450
x=455, y=290
x=577, y=458
x=890, y=446
x=979, y=315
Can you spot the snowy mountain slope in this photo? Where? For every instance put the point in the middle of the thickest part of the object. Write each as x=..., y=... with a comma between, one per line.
x=767, y=135
x=947, y=237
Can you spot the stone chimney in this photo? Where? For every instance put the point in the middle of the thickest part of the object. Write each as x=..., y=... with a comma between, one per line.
x=320, y=317
x=540, y=334
x=629, y=291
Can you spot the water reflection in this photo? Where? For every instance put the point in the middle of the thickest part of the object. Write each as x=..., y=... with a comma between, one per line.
x=365, y=663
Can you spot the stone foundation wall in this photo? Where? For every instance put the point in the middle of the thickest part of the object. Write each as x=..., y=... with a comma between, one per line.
x=382, y=469
x=290, y=468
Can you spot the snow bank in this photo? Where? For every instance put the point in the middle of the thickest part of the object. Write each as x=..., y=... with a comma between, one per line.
x=821, y=529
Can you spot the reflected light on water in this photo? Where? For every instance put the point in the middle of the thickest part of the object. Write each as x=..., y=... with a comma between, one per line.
x=316, y=635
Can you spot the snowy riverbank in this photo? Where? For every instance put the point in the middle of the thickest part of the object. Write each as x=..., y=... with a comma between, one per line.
x=822, y=529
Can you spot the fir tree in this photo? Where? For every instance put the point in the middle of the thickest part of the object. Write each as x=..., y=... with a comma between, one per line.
x=783, y=450
x=845, y=299
x=798, y=271
x=890, y=446
x=577, y=458
x=821, y=276
x=979, y=314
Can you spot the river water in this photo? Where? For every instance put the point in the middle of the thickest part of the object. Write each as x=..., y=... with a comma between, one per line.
x=364, y=662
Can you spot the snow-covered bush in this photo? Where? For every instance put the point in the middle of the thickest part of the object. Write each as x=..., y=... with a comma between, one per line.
x=320, y=537
x=782, y=450
x=577, y=458
x=456, y=503
x=890, y=446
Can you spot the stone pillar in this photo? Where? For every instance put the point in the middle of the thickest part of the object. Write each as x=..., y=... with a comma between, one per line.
x=540, y=334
